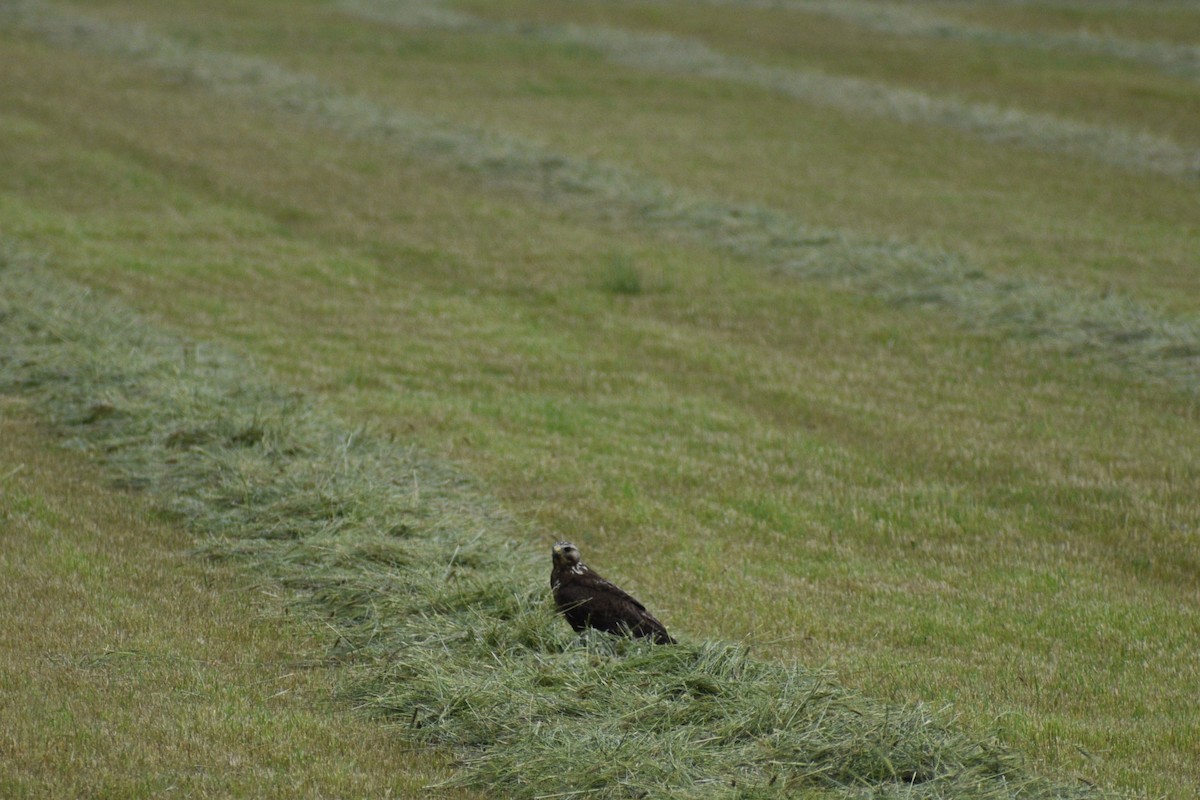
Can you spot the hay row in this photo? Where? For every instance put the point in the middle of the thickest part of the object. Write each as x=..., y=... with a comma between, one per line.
x=1110, y=330
x=907, y=19
x=441, y=612
x=677, y=55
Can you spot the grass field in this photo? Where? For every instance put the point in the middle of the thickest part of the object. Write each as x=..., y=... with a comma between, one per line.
x=906, y=398
x=133, y=669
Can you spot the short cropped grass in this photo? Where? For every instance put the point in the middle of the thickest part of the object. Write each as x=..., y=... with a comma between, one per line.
x=1090, y=33
x=1115, y=328
x=1091, y=228
x=672, y=54
x=1176, y=22
x=418, y=577
x=804, y=433
x=1034, y=91
x=130, y=668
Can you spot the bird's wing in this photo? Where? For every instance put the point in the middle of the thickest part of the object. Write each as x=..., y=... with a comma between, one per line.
x=599, y=584
x=616, y=609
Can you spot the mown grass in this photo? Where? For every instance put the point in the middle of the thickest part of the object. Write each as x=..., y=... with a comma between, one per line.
x=941, y=514
x=895, y=271
x=1169, y=22
x=1091, y=228
x=131, y=668
x=1159, y=38
x=421, y=581
x=1080, y=78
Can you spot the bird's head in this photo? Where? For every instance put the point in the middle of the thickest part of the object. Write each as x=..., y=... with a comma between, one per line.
x=565, y=554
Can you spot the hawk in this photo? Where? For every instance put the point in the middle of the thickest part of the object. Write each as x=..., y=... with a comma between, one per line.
x=588, y=600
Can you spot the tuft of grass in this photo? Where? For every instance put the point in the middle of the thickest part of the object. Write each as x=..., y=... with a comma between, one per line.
x=620, y=276
x=419, y=577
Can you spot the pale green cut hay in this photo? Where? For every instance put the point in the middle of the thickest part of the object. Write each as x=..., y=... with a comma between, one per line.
x=655, y=52
x=909, y=19
x=677, y=55
x=1110, y=330
x=439, y=609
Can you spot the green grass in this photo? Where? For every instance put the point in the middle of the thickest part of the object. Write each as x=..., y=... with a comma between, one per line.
x=1088, y=228
x=896, y=272
x=963, y=72
x=1169, y=22
x=445, y=616
x=810, y=430
x=621, y=276
x=132, y=668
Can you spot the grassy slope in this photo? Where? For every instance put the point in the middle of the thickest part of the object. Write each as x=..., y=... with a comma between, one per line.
x=928, y=531
x=132, y=668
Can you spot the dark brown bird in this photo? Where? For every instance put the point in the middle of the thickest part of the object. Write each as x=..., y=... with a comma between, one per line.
x=588, y=600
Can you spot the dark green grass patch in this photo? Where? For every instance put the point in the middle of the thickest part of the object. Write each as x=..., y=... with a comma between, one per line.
x=621, y=276
x=418, y=575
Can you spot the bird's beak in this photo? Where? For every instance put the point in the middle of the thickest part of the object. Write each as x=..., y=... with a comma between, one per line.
x=556, y=549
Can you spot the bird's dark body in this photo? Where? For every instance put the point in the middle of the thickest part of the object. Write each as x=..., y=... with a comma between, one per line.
x=588, y=600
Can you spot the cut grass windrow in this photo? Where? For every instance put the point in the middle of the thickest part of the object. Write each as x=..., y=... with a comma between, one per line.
x=444, y=613
x=895, y=19
x=677, y=55
x=1108, y=329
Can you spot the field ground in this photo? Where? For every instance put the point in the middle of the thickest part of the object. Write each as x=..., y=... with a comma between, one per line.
x=895, y=396
x=132, y=668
